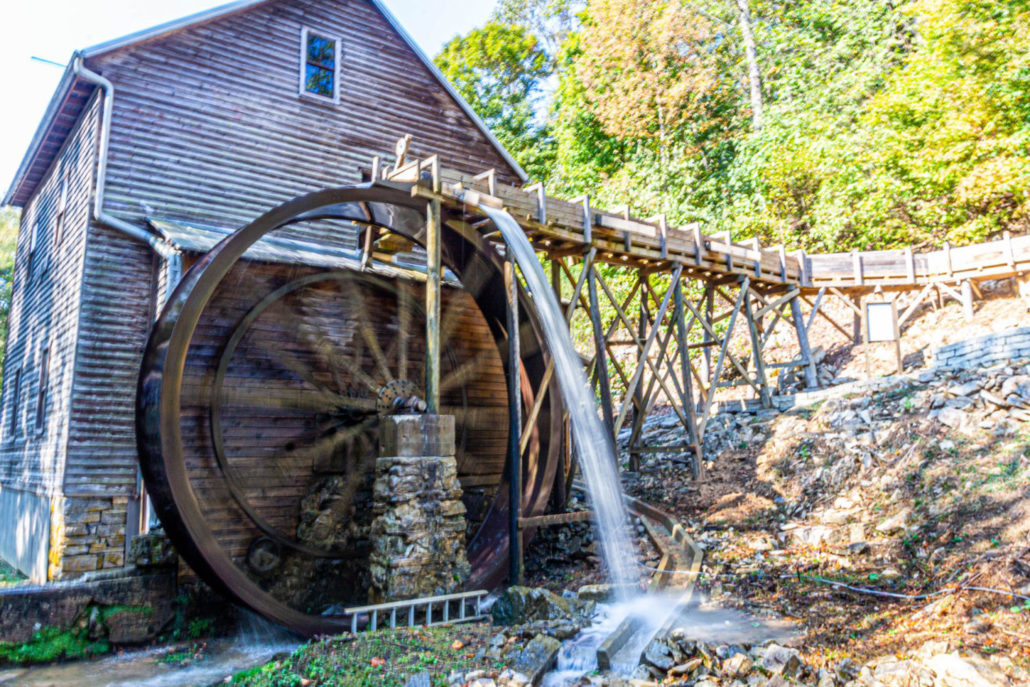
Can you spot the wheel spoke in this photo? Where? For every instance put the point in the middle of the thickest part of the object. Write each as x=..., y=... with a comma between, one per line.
x=273, y=396
x=468, y=370
x=331, y=441
x=362, y=322
x=289, y=362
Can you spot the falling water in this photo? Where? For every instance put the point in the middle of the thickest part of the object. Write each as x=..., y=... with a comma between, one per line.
x=594, y=445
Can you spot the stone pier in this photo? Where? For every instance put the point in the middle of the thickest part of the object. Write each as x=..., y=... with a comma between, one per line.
x=418, y=535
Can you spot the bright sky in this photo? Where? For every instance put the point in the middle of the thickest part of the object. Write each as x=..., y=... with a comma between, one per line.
x=53, y=29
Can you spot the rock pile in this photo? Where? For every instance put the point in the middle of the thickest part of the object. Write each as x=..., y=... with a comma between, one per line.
x=678, y=660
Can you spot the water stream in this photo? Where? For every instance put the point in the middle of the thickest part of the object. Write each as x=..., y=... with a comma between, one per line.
x=594, y=445
x=255, y=643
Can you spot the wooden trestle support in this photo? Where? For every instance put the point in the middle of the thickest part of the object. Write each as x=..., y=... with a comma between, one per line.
x=669, y=341
x=268, y=370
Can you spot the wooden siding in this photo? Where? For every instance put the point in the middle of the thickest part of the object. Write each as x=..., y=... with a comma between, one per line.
x=276, y=479
x=209, y=126
x=45, y=315
x=116, y=317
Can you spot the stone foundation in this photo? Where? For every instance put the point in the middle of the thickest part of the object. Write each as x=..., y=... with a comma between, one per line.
x=418, y=536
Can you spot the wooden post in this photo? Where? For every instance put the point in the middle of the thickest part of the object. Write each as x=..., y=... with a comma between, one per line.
x=556, y=278
x=856, y=323
x=897, y=337
x=514, y=424
x=638, y=394
x=434, y=272
x=1023, y=281
x=967, y=299
x=756, y=348
x=709, y=307
x=689, y=409
x=600, y=356
x=811, y=376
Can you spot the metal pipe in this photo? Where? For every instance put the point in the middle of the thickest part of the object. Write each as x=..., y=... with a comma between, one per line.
x=159, y=245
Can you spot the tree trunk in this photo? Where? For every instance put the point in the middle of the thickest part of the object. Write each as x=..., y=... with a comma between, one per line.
x=754, y=74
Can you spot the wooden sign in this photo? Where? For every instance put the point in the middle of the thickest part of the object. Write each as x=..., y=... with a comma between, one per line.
x=881, y=322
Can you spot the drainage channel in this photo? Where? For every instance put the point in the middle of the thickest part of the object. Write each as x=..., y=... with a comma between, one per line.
x=622, y=630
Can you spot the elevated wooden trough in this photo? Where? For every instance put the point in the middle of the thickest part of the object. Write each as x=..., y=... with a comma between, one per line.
x=270, y=366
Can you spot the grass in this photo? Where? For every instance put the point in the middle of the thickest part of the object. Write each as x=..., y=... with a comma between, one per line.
x=388, y=658
x=52, y=644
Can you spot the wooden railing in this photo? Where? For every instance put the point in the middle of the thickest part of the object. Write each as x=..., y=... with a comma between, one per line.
x=570, y=227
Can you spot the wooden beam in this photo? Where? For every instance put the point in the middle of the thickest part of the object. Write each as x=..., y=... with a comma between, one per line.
x=638, y=373
x=756, y=351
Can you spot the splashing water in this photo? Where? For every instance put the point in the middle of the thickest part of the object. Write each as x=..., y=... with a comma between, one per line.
x=594, y=445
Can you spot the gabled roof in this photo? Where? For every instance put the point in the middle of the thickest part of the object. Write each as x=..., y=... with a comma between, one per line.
x=72, y=94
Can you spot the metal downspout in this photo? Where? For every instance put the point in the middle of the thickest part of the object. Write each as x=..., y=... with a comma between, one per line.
x=159, y=245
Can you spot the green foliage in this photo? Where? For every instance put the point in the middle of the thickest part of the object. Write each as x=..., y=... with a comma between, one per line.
x=52, y=644
x=388, y=658
x=9, y=218
x=499, y=69
x=884, y=124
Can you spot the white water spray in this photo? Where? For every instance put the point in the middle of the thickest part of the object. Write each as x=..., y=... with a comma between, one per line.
x=594, y=445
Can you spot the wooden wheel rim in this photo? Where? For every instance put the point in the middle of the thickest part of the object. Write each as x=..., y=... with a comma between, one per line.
x=159, y=395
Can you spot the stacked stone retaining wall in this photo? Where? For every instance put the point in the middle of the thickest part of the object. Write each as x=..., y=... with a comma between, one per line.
x=984, y=351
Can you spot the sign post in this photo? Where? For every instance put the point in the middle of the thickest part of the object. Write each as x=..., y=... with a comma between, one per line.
x=881, y=325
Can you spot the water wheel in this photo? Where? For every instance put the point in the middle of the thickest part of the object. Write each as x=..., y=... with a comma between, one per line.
x=263, y=385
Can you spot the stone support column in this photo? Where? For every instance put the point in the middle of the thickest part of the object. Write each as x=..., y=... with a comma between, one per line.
x=418, y=535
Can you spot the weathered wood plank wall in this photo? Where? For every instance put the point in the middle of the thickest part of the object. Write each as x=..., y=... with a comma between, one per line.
x=45, y=317
x=208, y=126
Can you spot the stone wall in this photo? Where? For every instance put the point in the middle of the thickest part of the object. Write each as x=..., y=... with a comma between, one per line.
x=418, y=535
x=126, y=609
x=983, y=351
x=93, y=536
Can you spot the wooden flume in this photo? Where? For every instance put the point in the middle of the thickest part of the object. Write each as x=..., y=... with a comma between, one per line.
x=262, y=383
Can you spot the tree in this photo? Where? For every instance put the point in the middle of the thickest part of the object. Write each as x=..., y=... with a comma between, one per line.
x=647, y=78
x=754, y=72
x=551, y=21
x=500, y=69
x=8, y=246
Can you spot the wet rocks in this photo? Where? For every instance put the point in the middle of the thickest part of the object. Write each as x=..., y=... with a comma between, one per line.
x=523, y=605
x=538, y=656
x=779, y=660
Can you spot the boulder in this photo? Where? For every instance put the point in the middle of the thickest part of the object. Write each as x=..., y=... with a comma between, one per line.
x=658, y=655
x=952, y=417
x=779, y=660
x=894, y=523
x=953, y=670
x=538, y=657
x=737, y=666
x=521, y=605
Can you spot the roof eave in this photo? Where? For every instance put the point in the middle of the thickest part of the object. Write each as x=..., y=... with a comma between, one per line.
x=68, y=79
x=63, y=88
x=170, y=27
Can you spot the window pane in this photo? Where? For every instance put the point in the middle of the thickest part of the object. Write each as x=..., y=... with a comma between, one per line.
x=321, y=51
x=319, y=80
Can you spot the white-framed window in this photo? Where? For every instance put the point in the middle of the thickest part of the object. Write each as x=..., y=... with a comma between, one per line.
x=320, y=65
